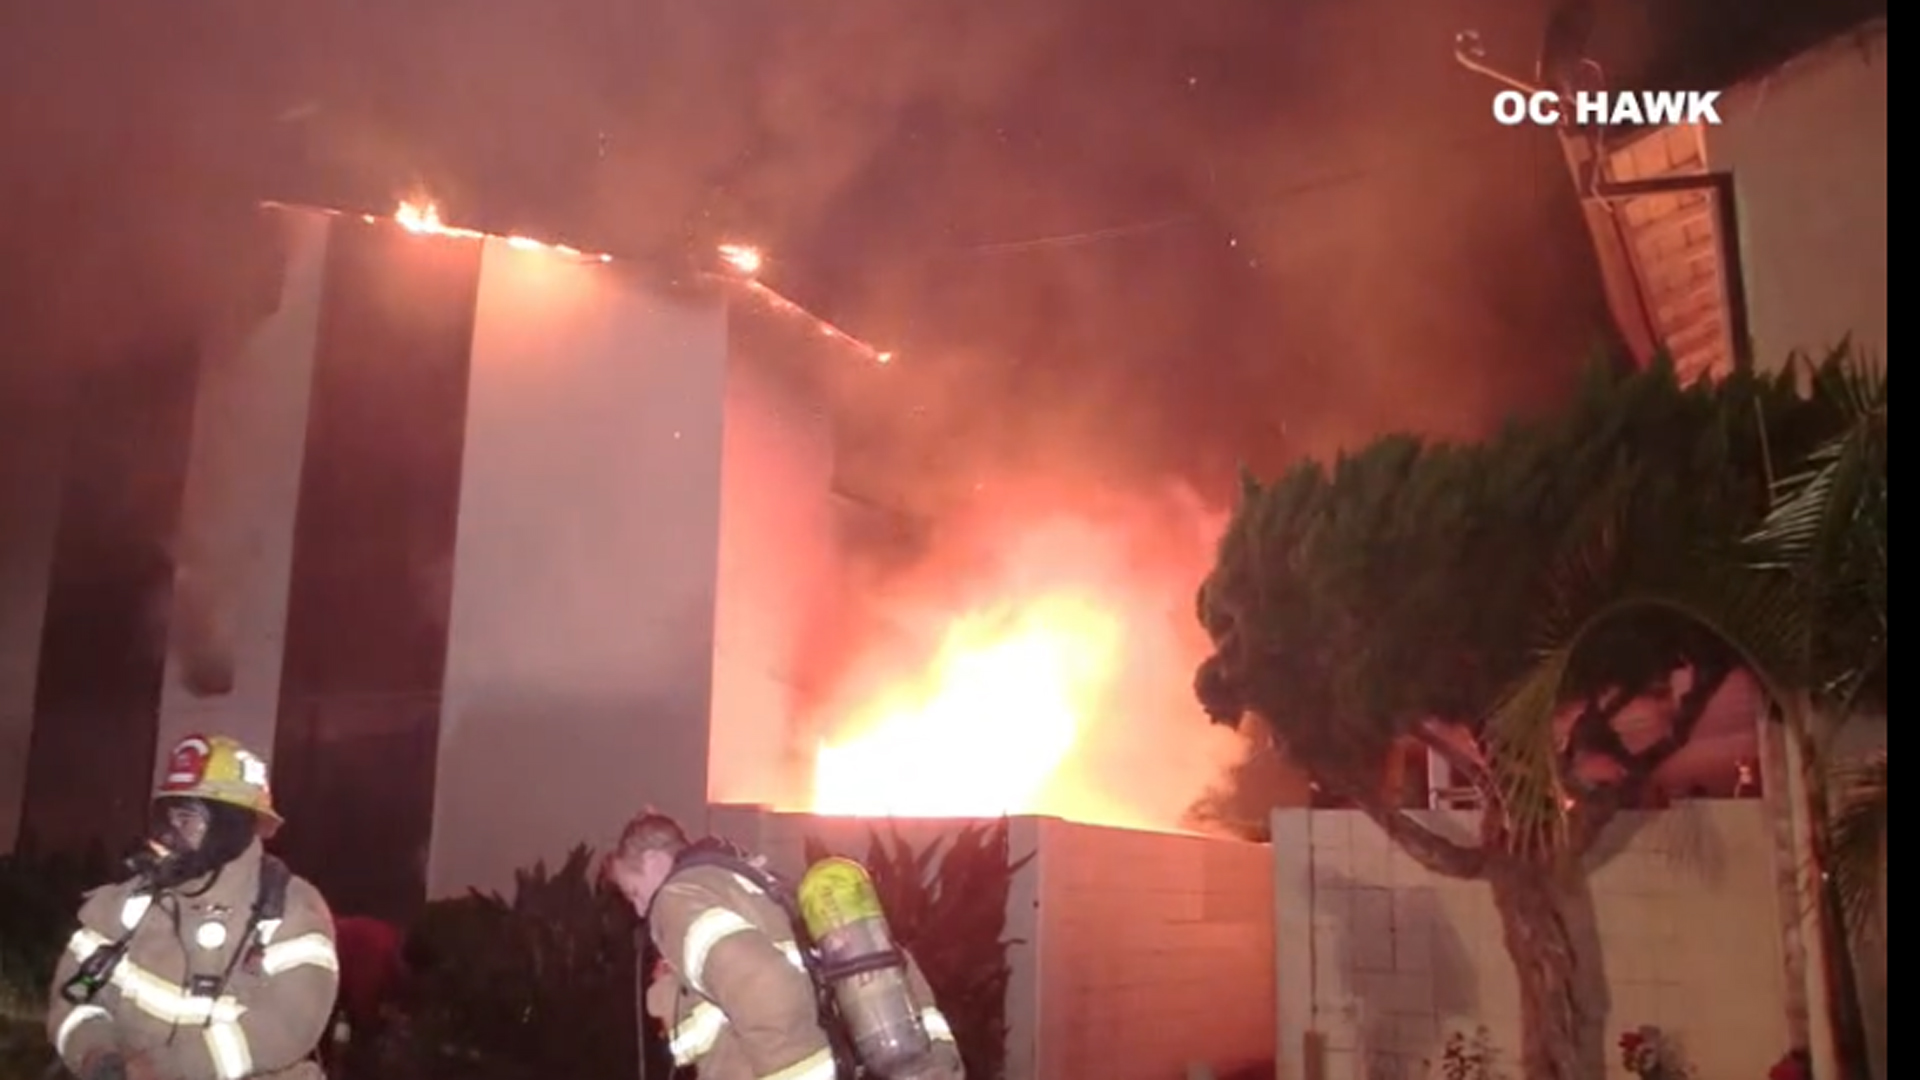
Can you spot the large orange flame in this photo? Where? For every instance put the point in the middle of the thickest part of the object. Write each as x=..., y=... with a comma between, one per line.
x=1062, y=689
x=988, y=725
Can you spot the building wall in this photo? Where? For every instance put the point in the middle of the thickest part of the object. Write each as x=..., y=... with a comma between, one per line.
x=1807, y=147
x=778, y=574
x=583, y=582
x=1138, y=954
x=233, y=557
x=1379, y=960
x=1152, y=952
x=30, y=470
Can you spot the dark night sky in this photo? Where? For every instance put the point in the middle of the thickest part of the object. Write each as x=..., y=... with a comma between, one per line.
x=1102, y=233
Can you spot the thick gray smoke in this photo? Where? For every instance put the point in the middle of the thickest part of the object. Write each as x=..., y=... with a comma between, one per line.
x=1119, y=245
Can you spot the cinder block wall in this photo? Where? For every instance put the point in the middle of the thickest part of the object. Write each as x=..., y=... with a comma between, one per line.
x=1152, y=952
x=1137, y=953
x=1381, y=959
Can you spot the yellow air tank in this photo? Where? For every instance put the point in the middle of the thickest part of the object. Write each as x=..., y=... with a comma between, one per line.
x=867, y=972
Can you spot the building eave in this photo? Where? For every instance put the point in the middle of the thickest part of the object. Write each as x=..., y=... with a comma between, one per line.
x=1665, y=229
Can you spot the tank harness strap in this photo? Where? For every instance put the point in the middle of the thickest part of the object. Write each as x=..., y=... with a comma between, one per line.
x=724, y=856
x=269, y=907
x=96, y=971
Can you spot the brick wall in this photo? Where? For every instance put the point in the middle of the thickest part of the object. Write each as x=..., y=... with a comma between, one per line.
x=1379, y=960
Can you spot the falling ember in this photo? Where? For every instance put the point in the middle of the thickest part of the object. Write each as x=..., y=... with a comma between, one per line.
x=1008, y=696
x=747, y=260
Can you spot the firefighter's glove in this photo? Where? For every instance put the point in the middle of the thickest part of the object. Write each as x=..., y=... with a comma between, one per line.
x=110, y=1065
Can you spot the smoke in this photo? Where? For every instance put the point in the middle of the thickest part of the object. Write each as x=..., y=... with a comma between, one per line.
x=1143, y=753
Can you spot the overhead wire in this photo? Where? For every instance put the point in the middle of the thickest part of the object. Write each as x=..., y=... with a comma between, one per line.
x=1275, y=200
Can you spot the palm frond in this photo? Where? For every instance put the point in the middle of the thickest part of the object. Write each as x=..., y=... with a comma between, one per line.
x=1525, y=759
x=1859, y=840
x=1813, y=507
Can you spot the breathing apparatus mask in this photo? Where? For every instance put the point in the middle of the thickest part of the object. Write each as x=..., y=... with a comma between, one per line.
x=190, y=838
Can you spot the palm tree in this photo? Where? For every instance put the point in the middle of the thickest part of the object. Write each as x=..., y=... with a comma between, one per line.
x=1803, y=602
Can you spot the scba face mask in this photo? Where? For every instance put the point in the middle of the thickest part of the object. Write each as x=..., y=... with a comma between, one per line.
x=189, y=838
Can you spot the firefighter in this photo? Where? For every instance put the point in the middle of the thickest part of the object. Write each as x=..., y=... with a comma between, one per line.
x=211, y=962
x=740, y=997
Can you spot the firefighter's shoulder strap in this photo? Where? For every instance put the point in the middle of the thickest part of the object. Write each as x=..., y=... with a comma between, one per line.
x=270, y=903
x=269, y=906
x=722, y=855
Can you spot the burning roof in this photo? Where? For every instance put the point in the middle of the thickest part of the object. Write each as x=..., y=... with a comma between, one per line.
x=734, y=266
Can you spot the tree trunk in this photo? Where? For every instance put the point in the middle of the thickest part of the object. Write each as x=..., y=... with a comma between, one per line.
x=1841, y=981
x=1532, y=902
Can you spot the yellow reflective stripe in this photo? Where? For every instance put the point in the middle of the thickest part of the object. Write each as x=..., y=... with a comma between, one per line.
x=227, y=1046
x=80, y=1015
x=816, y=1066
x=134, y=910
x=158, y=998
x=935, y=1023
x=711, y=928
x=84, y=942
x=695, y=1035
x=307, y=950
x=791, y=950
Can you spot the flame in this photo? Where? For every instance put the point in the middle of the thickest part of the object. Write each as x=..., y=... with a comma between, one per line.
x=743, y=258
x=982, y=733
x=422, y=217
x=1055, y=677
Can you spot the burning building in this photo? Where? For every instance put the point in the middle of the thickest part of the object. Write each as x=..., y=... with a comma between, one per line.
x=490, y=541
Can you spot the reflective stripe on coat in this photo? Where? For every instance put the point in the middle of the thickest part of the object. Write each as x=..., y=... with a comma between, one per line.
x=736, y=998
x=160, y=1001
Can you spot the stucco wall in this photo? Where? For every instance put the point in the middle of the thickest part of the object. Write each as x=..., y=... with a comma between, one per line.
x=1379, y=960
x=1807, y=147
x=778, y=567
x=233, y=556
x=1140, y=953
x=580, y=647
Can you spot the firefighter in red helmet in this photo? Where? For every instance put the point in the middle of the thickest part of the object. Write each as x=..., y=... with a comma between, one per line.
x=211, y=961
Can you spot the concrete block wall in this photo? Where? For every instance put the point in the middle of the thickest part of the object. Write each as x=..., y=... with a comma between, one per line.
x=1378, y=960
x=1152, y=952
x=1137, y=953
